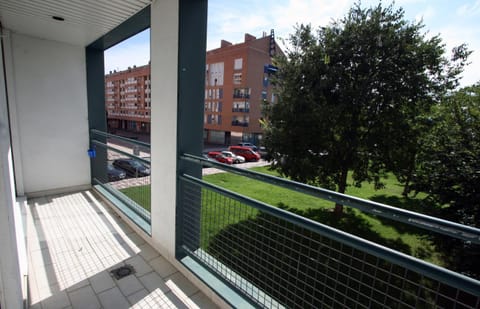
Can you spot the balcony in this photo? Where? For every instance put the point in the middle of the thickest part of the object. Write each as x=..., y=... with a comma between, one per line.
x=241, y=95
x=240, y=110
x=75, y=243
x=281, y=260
x=274, y=258
x=237, y=123
x=190, y=243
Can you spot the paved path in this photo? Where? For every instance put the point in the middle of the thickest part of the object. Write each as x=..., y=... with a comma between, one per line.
x=211, y=170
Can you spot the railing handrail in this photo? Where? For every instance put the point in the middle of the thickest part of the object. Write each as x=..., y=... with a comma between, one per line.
x=432, y=271
x=95, y=142
x=125, y=199
x=126, y=139
x=429, y=223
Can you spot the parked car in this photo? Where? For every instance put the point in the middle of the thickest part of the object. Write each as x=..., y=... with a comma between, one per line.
x=245, y=152
x=262, y=151
x=114, y=173
x=235, y=158
x=220, y=157
x=249, y=145
x=132, y=167
x=205, y=156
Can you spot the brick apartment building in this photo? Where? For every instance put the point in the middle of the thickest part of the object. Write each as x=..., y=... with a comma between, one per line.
x=236, y=82
x=127, y=99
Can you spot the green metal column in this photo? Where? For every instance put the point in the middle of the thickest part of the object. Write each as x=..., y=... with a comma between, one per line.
x=96, y=107
x=97, y=118
x=191, y=87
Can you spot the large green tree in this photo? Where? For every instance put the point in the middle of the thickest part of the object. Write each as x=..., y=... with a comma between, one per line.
x=347, y=96
x=403, y=158
x=448, y=169
x=448, y=163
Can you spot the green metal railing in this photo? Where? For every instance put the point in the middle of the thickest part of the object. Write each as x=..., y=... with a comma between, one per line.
x=278, y=259
x=127, y=187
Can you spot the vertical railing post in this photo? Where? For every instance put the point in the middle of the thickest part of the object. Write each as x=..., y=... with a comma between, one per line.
x=191, y=81
x=96, y=108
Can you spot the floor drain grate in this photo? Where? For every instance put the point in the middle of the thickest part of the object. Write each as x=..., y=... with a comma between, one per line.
x=122, y=271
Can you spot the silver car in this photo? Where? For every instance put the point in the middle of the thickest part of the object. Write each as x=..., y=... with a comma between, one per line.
x=235, y=158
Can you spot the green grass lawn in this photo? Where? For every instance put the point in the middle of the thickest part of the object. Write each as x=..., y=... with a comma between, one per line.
x=140, y=194
x=395, y=235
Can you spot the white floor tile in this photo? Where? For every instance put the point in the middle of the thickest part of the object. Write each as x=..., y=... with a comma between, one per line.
x=163, y=267
x=179, y=282
x=101, y=282
x=138, y=296
x=129, y=285
x=140, y=265
x=153, y=281
x=202, y=301
x=58, y=300
x=73, y=243
x=113, y=299
x=147, y=252
x=84, y=298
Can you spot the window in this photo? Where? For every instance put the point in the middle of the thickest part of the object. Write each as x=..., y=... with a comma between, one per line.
x=241, y=93
x=215, y=74
x=237, y=78
x=213, y=119
x=264, y=95
x=237, y=65
x=241, y=106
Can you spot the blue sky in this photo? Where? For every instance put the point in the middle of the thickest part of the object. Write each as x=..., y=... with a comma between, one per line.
x=457, y=21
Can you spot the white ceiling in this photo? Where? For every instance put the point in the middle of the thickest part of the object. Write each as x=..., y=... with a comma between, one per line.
x=85, y=20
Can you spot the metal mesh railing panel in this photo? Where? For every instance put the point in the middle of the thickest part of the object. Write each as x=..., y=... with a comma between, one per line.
x=278, y=264
x=132, y=184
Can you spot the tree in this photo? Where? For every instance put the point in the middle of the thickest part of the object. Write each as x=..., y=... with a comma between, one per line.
x=403, y=158
x=448, y=169
x=448, y=165
x=349, y=94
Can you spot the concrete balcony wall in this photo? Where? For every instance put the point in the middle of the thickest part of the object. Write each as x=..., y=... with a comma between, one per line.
x=48, y=112
x=164, y=42
x=11, y=270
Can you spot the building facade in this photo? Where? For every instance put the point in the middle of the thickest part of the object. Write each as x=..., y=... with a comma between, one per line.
x=128, y=100
x=236, y=84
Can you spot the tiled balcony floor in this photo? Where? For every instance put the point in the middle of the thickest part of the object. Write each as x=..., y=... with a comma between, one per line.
x=74, y=240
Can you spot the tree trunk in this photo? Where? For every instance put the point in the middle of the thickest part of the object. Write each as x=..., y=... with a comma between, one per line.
x=406, y=188
x=408, y=179
x=342, y=185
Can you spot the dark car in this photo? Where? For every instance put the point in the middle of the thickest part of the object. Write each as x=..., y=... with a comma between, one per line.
x=262, y=151
x=114, y=173
x=132, y=167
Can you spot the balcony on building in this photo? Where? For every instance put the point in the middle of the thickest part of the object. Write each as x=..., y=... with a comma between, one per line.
x=71, y=235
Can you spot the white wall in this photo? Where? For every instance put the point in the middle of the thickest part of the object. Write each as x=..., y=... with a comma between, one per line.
x=164, y=65
x=50, y=104
x=11, y=294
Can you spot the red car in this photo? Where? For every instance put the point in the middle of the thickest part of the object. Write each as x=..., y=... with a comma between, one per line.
x=220, y=157
x=245, y=152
